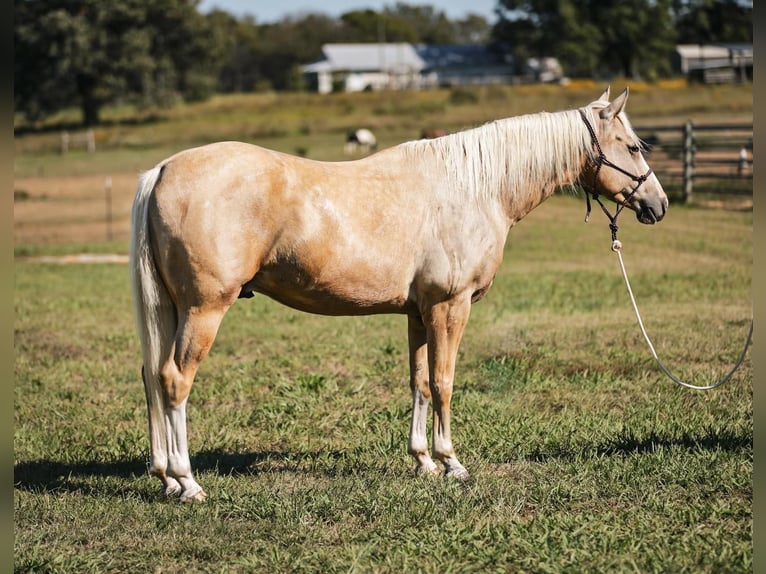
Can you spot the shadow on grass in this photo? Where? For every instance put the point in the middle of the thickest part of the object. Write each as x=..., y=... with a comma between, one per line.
x=628, y=444
x=53, y=476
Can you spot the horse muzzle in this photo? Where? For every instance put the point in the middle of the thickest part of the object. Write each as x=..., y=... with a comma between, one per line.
x=650, y=210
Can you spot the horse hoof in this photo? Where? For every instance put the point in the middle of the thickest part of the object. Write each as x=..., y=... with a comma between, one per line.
x=460, y=474
x=171, y=488
x=195, y=495
x=430, y=470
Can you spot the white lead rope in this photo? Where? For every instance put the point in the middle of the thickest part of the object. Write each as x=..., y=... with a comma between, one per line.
x=616, y=247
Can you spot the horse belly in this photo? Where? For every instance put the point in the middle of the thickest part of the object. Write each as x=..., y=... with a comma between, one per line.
x=354, y=292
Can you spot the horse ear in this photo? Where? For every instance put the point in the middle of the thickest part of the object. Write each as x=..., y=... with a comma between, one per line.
x=615, y=107
x=605, y=96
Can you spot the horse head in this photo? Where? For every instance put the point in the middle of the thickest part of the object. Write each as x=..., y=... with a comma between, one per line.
x=619, y=170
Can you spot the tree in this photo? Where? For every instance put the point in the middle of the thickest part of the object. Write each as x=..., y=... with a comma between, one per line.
x=429, y=25
x=238, y=41
x=558, y=28
x=88, y=53
x=370, y=26
x=628, y=36
x=638, y=36
x=704, y=21
x=473, y=29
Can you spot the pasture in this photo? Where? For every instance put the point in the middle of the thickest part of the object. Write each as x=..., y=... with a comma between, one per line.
x=584, y=457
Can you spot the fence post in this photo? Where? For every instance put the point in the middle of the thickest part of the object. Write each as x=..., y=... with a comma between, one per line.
x=742, y=168
x=108, y=198
x=688, y=161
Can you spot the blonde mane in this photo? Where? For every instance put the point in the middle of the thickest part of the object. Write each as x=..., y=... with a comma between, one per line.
x=511, y=156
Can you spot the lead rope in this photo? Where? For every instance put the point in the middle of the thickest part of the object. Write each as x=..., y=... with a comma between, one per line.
x=600, y=161
x=617, y=248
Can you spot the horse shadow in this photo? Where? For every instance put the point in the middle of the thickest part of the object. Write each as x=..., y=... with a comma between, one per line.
x=49, y=476
x=52, y=476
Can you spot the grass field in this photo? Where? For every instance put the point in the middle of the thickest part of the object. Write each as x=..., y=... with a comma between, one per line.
x=584, y=457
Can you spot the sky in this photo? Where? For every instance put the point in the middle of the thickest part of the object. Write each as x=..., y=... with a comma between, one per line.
x=268, y=11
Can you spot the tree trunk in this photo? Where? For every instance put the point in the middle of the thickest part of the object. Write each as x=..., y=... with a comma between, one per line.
x=90, y=106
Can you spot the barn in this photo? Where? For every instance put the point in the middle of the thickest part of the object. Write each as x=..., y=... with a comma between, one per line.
x=403, y=66
x=715, y=63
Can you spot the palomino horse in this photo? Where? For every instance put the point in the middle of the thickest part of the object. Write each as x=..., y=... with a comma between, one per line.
x=416, y=229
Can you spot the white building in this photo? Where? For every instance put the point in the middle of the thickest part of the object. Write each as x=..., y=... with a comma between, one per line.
x=401, y=66
x=359, y=67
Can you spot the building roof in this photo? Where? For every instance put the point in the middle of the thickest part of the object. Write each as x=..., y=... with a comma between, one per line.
x=702, y=51
x=394, y=57
x=713, y=50
x=711, y=56
x=442, y=56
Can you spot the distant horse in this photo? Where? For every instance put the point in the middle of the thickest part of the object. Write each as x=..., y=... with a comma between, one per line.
x=360, y=140
x=431, y=133
x=417, y=229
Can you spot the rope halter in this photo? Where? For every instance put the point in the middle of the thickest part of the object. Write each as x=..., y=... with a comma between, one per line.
x=602, y=160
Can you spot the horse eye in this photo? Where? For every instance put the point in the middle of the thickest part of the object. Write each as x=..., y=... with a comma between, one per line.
x=633, y=148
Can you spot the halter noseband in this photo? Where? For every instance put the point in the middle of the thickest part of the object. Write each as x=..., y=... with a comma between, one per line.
x=602, y=160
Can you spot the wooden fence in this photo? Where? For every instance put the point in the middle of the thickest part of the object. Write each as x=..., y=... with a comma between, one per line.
x=709, y=158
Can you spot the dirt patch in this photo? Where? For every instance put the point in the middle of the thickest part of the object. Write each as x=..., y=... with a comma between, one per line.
x=78, y=209
x=77, y=258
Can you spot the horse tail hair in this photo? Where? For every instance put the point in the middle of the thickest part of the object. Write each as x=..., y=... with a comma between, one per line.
x=155, y=314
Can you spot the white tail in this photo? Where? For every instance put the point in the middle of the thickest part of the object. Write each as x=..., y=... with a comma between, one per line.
x=155, y=317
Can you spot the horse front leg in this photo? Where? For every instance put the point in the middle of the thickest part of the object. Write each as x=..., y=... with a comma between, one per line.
x=417, y=445
x=445, y=323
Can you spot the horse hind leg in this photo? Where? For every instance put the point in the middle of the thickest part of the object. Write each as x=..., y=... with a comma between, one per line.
x=197, y=329
x=159, y=330
x=157, y=435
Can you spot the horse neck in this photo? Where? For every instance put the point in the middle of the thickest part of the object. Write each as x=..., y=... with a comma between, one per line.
x=515, y=163
x=547, y=152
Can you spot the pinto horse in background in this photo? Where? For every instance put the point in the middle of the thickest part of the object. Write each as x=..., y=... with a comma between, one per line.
x=361, y=139
x=416, y=229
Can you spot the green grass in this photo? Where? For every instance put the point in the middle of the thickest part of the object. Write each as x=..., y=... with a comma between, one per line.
x=584, y=457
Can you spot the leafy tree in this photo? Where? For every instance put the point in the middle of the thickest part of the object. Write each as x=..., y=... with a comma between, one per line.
x=638, y=36
x=559, y=28
x=370, y=26
x=430, y=26
x=632, y=37
x=473, y=29
x=704, y=21
x=88, y=53
x=238, y=40
x=290, y=43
